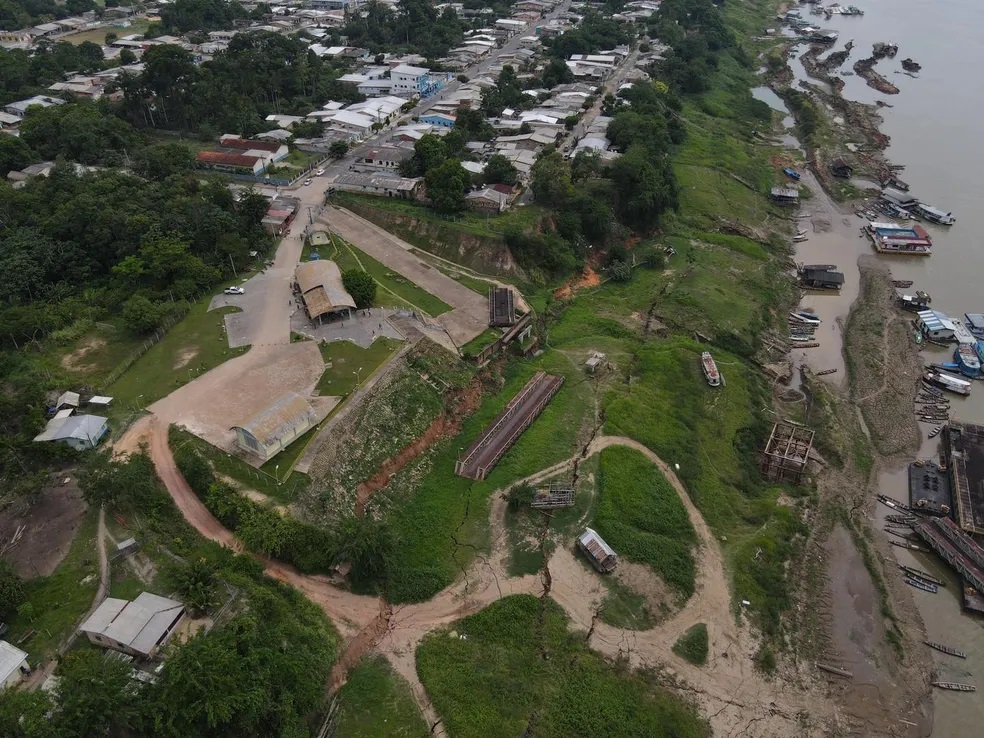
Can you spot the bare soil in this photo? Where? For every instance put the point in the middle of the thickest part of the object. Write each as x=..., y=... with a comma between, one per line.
x=75, y=361
x=185, y=357
x=49, y=527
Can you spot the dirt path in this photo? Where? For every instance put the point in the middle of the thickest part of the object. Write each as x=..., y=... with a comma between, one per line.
x=732, y=693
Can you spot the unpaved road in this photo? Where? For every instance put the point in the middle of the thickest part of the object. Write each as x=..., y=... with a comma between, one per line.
x=732, y=693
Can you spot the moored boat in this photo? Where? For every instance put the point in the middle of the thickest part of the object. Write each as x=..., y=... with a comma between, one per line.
x=934, y=215
x=919, y=573
x=967, y=361
x=711, y=372
x=803, y=316
x=947, y=382
x=924, y=586
x=955, y=686
x=946, y=649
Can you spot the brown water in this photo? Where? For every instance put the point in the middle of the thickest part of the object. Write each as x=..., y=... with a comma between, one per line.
x=934, y=124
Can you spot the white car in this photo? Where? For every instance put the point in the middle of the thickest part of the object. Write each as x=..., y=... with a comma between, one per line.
x=319, y=172
x=308, y=181
x=234, y=291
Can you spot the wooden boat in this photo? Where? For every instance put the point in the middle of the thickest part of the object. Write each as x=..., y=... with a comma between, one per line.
x=825, y=371
x=936, y=431
x=926, y=576
x=896, y=532
x=800, y=239
x=924, y=586
x=892, y=502
x=910, y=546
x=903, y=283
x=946, y=649
x=906, y=519
x=834, y=670
x=955, y=686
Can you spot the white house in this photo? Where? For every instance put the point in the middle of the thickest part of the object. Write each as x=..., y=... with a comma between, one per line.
x=408, y=80
x=81, y=432
x=138, y=628
x=20, y=107
x=13, y=665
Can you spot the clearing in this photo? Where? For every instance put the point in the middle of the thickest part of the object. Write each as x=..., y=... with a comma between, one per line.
x=47, y=527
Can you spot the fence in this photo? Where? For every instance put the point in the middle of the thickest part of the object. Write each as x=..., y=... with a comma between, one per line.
x=148, y=344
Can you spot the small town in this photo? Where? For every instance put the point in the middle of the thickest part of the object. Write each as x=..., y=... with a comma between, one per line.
x=496, y=367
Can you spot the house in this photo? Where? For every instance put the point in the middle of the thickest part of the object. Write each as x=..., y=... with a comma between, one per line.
x=355, y=124
x=8, y=121
x=383, y=184
x=502, y=307
x=239, y=155
x=487, y=200
x=784, y=196
x=281, y=213
x=139, y=628
x=388, y=157
x=840, y=168
x=321, y=288
x=599, y=553
x=935, y=325
x=267, y=434
x=81, y=432
x=443, y=120
x=821, y=279
x=408, y=80
x=13, y=665
x=510, y=25
x=20, y=107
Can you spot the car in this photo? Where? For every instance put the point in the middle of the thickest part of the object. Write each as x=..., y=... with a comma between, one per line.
x=308, y=181
x=234, y=291
x=319, y=172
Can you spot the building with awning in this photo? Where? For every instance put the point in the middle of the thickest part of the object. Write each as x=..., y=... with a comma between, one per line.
x=321, y=288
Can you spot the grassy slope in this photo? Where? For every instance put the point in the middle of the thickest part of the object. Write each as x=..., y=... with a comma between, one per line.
x=351, y=364
x=521, y=672
x=376, y=703
x=640, y=515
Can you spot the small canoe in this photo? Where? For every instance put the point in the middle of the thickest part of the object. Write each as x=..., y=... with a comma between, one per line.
x=936, y=431
x=946, y=649
x=924, y=586
x=920, y=574
x=956, y=687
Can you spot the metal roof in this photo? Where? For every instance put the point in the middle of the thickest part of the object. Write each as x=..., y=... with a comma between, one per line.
x=138, y=625
x=321, y=287
x=289, y=411
x=81, y=427
x=68, y=398
x=11, y=658
x=595, y=544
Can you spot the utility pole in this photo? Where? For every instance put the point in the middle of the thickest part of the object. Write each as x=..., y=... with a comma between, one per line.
x=233, y=264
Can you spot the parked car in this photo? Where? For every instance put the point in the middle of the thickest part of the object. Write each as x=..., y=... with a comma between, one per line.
x=319, y=172
x=308, y=181
x=234, y=291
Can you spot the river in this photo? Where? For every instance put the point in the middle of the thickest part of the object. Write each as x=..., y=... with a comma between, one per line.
x=933, y=125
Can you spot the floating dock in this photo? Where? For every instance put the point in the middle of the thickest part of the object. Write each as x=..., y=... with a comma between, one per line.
x=929, y=489
x=963, y=451
x=956, y=548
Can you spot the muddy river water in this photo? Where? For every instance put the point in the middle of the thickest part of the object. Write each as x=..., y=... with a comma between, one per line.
x=933, y=124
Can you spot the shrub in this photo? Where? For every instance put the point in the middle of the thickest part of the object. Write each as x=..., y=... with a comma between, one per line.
x=692, y=645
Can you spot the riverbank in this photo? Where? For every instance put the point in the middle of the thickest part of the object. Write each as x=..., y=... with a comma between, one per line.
x=883, y=364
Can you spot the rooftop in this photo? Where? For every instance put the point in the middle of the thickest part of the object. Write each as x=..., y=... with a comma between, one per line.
x=284, y=414
x=321, y=285
x=139, y=625
x=11, y=658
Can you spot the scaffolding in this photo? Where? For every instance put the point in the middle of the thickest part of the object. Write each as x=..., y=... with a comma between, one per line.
x=553, y=496
x=787, y=453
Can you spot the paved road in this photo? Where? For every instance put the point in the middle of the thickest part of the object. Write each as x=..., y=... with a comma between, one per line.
x=470, y=311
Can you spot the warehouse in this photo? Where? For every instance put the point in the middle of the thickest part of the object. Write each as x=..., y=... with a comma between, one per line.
x=267, y=434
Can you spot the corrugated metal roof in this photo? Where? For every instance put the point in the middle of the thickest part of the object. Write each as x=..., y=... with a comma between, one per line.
x=321, y=287
x=11, y=658
x=288, y=412
x=595, y=544
x=139, y=625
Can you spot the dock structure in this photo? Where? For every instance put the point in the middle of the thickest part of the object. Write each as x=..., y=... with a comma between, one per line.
x=786, y=454
x=502, y=307
x=507, y=426
x=963, y=449
x=956, y=548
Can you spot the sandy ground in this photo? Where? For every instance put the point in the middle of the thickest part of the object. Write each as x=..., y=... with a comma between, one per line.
x=731, y=692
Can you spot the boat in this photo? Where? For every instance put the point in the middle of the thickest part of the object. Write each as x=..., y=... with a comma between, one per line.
x=968, y=362
x=934, y=215
x=892, y=502
x=910, y=546
x=902, y=283
x=892, y=238
x=800, y=239
x=819, y=267
x=975, y=323
x=791, y=173
x=800, y=231
x=924, y=575
x=803, y=316
x=947, y=382
x=924, y=586
x=710, y=369
x=955, y=686
x=946, y=649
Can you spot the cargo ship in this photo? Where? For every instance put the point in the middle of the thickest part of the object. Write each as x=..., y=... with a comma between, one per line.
x=710, y=369
x=967, y=360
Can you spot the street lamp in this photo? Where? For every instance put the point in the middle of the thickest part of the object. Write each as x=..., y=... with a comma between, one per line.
x=276, y=474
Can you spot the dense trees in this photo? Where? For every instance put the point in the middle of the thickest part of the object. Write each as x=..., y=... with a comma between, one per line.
x=24, y=73
x=415, y=25
x=200, y=15
x=446, y=186
x=361, y=286
x=697, y=34
x=80, y=132
x=594, y=33
x=499, y=170
x=12, y=591
x=16, y=14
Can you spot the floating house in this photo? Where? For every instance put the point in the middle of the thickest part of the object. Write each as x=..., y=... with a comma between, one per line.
x=601, y=555
x=934, y=215
x=975, y=323
x=935, y=326
x=784, y=196
x=820, y=279
x=892, y=238
x=914, y=303
x=894, y=196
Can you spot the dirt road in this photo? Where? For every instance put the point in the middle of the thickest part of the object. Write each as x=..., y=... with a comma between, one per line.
x=730, y=690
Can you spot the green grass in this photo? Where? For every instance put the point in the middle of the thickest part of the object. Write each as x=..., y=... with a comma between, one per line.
x=522, y=672
x=625, y=608
x=193, y=346
x=692, y=645
x=441, y=519
x=60, y=600
x=352, y=364
x=98, y=35
x=479, y=342
x=376, y=702
x=397, y=285
x=641, y=516
x=95, y=354
x=243, y=474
